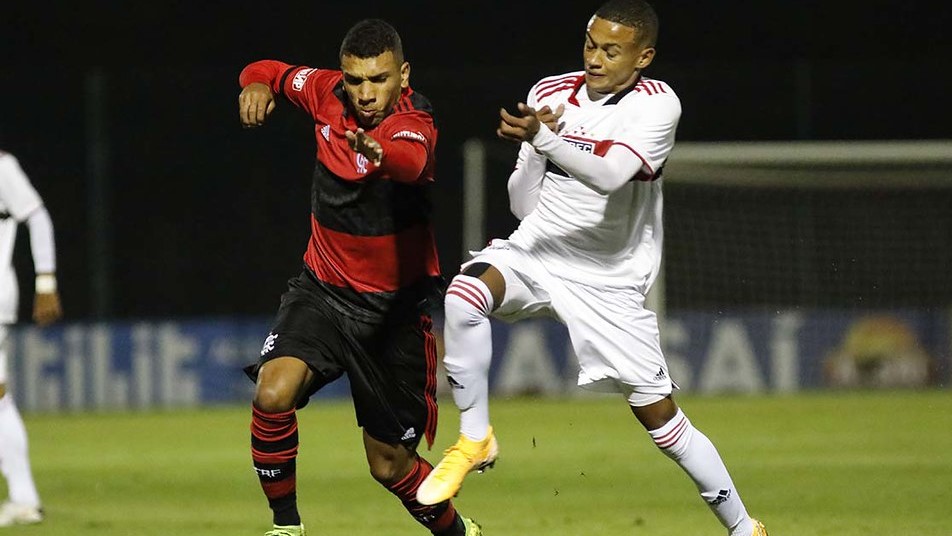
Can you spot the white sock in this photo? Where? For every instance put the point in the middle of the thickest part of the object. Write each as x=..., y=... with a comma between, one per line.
x=14, y=458
x=696, y=455
x=467, y=338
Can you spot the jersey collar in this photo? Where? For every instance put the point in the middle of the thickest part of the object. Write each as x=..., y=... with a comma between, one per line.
x=614, y=99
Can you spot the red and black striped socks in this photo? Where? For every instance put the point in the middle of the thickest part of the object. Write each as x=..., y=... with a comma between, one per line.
x=274, y=447
x=439, y=518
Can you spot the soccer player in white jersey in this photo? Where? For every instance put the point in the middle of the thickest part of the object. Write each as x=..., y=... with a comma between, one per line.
x=587, y=187
x=19, y=202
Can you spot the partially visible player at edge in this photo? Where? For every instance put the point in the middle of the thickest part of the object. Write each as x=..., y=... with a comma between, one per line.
x=588, y=248
x=361, y=306
x=19, y=202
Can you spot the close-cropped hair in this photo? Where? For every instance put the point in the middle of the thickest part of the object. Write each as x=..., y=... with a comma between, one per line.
x=636, y=14
x=370, y=38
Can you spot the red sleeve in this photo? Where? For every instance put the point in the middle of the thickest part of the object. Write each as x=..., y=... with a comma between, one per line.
x=303, y=86
x=407, y=148
x=265, y=72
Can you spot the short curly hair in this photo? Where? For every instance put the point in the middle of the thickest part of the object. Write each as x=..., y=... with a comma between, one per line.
x=370, y=38
x=636, y=14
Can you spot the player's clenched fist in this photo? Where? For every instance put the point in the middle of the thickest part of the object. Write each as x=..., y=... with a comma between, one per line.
x=255, y=104
x=524, y=128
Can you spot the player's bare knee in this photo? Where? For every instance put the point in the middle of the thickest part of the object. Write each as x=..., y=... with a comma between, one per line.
x=274, y=396
x=389, y=466
x=490, y=276
x=657, y=414
x=281, y=382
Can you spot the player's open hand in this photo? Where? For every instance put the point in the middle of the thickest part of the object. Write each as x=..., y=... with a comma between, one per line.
x=255, y=104
x=516, y=128
x=362, y=143
x=551, y=119
x=46, y=308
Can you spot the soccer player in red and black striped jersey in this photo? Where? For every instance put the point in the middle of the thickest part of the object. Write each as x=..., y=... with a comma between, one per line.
x=360, y=307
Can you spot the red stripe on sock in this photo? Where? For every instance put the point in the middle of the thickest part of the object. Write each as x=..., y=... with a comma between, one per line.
x=453, y=292
x=272, y=426
x=273, y=435
x=406, y=489
x=446, y=520
x=475, y=290
x=274, y=457
x=281, y=488
x=272, y=417
x=673, y=436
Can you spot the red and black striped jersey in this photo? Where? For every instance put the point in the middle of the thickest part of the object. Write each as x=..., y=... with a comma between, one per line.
x=371, y=243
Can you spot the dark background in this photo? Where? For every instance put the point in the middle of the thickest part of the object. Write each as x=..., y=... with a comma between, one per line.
x=201, y=217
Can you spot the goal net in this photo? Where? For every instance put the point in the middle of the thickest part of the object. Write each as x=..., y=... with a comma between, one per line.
x=854, y=225
x=780, y=225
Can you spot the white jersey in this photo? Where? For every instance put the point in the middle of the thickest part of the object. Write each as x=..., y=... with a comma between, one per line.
x=581, y=234
x=18, y=199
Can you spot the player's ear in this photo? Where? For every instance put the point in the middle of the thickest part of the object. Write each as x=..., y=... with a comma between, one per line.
x=405, y=75
x=646, y=57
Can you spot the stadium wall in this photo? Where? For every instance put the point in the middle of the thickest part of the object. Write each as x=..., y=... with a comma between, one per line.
x=186, y=363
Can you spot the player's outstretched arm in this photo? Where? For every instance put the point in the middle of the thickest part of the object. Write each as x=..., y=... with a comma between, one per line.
x=363, y=143
x=255, y=104
x=402, y=156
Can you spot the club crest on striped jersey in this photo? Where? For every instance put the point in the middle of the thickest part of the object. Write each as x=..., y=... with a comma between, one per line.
x=300, y=77
x=269, y=343
x=361, y=162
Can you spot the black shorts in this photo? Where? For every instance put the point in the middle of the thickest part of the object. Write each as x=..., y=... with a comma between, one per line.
x=391, y=366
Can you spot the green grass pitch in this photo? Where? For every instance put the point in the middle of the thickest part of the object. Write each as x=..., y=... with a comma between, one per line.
x=856, y=464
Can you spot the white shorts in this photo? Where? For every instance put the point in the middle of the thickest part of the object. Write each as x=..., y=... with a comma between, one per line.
x=615, y=339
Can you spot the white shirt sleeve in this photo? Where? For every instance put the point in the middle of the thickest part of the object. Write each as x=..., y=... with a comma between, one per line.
x=641, y=147
x=525, y=182
x=42, y=244
x=18, y=196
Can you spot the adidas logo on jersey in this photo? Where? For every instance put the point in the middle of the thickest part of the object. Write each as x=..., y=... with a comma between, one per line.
x=660, y=375
x=453, y=383
x=409, y=434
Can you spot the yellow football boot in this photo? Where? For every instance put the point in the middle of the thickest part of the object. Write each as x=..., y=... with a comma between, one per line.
x=472, y=528
x=759, y=529
x=447, y=477
x=286, y=530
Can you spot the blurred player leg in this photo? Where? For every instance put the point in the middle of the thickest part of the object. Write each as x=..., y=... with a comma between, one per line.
x=23, y=505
